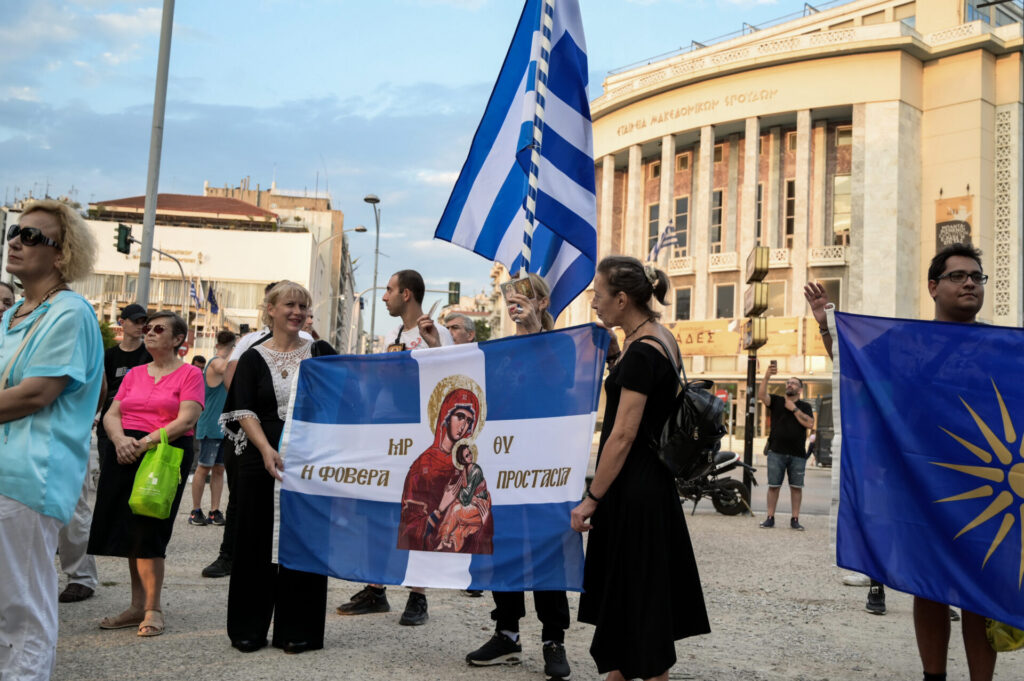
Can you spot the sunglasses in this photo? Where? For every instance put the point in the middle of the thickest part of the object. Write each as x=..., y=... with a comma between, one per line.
x=30, y=236
x=155, y=328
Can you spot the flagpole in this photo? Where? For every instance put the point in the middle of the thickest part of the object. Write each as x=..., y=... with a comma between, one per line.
x=547, y=13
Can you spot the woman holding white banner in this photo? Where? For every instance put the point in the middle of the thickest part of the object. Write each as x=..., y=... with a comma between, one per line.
x=504, y=647
x=253, y=419
x=640, y=581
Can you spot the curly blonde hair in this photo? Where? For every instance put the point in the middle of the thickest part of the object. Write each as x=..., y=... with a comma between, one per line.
x=77, y=244
x=284, y=290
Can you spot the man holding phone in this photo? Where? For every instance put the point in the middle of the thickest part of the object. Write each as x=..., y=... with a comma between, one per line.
x=787, y=456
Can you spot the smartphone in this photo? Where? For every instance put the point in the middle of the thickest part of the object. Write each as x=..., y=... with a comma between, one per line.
x=775, y=364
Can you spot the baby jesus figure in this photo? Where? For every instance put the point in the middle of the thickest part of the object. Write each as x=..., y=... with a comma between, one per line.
x=466, y=525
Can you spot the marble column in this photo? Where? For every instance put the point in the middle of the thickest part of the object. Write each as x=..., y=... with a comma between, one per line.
x=607, y=209
x=771, y=225
x=801, y=228
x=751, y=176
x=701, y=225
x=819, y=159
x=732, y=195
x=886, y=271
x=666, y=198
x=634, y=231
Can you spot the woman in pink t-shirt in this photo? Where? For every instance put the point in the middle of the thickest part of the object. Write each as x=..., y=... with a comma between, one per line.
x=165, y=393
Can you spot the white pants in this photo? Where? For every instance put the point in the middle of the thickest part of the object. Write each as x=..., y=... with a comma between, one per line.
x=28, y=592
x=79, y=566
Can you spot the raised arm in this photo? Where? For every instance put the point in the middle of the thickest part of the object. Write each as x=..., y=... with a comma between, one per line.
x=817, y=298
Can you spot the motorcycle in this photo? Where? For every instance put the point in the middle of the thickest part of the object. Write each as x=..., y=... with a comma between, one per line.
x=729, y=495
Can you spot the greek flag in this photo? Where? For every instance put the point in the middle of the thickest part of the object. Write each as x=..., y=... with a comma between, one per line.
x=196, y=296
x=532, y=159
x=668, y=238
x=452, y=467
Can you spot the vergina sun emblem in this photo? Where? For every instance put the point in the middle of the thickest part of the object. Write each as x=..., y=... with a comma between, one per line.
x=1007, y=478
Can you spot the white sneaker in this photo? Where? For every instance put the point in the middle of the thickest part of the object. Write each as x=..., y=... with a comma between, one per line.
x=856, y=579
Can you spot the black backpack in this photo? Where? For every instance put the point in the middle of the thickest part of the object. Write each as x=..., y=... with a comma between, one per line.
x=693, y=432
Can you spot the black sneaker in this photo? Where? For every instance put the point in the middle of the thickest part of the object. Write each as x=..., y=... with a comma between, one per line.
x=769, y=522
x=474, y=593
x=415, y=610
x=366, y=602
x=556, y=666
x=876, y=600
x=218, y=568
x=954, y=616
x=794, y=524
x=500, y=649
x=197, y=517
x=215, y=518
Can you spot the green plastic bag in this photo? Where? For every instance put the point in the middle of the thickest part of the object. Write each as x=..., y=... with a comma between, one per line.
x=156, y=481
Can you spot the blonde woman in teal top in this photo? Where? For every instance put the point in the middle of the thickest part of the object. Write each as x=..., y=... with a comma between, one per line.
x=51, y=360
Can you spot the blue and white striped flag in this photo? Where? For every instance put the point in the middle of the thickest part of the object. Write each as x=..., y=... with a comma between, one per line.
x=452, y=467
x=539, y=104
x=197, y=296
x=667, y=240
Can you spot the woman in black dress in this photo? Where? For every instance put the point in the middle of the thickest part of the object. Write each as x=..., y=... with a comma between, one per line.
x=253, y=420
x=640, y=584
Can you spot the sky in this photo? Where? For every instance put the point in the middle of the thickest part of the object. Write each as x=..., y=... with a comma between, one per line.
x=356, y=96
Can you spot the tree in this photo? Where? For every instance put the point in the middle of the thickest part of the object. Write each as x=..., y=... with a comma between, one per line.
x=483, y=329
x=109, y=340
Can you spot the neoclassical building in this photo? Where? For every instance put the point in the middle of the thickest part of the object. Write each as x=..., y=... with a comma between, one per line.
x=851, y=141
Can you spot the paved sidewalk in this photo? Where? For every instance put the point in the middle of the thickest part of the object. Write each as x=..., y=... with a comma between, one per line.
x=777, y=607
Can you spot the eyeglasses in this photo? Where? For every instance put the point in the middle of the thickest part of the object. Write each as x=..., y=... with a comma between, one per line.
x=30, y=236
x=959, y=277
x=155, y=328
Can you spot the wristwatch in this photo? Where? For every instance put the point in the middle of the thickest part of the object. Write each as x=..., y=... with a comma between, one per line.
x=149, y=441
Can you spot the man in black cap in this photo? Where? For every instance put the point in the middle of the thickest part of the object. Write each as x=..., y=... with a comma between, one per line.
x=79, y=566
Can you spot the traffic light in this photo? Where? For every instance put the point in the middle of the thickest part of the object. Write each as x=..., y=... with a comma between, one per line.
x=124, y=239
x=453, y=292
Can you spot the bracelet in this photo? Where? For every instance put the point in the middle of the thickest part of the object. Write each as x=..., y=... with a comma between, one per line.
x=823, y=330
x=590, y=495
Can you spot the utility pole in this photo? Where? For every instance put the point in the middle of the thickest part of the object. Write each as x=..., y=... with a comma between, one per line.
x=156, y=141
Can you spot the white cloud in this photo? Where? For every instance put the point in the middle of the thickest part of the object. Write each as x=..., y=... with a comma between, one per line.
x=23, y=93
x=437, y=177
x=142, y=21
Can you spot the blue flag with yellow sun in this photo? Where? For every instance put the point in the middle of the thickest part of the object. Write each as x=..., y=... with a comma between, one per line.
x=932, y=466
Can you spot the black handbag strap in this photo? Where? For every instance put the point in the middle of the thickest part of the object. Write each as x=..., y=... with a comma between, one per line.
x=670, y=356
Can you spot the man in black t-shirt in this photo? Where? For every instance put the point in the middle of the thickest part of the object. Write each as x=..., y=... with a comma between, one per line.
x=73, y=539
x=787, y=454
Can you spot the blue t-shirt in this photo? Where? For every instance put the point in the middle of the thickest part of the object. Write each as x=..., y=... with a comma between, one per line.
x=43, y=456
x=208, y=426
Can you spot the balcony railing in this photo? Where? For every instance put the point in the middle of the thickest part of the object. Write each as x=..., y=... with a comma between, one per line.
x=778, y=257
x=680, y=265
x=723, y=262
x=826, y=256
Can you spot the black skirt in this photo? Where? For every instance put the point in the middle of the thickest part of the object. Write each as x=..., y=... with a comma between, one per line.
x=116, y=531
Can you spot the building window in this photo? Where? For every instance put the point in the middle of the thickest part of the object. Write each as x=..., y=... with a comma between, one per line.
x=759, y=237
x=760, y=146
x=655, y=170
x=841, y=210
x=716, y=221
x=776, y=299
x=833, y=288
x=683, y=161
x=652, y=226
x=976, y=14
x=682, y=224
x=718, y=152
x=844, y=136
x=725, y=301
x=791, y=141
x=790, y=212
x=683, y=303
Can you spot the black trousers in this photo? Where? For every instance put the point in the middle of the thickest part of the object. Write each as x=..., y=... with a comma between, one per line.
x=261, y=589
x=552, y=611
x=227, y=542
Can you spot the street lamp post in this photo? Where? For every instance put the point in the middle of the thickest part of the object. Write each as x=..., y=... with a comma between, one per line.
x=374, y=201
